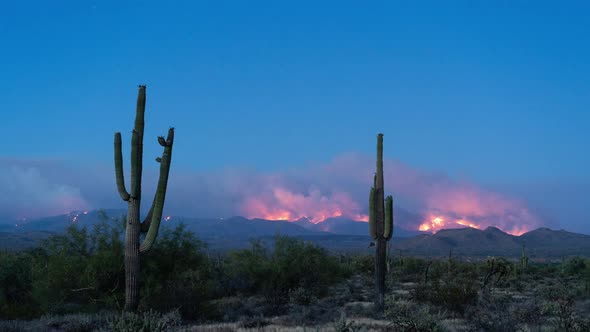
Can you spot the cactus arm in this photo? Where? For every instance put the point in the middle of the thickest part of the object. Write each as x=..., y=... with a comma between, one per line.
x=119, y=168
x=372, y=228
x=145, y=224
x=388, y=230
x=161, y=141
x=154, y=224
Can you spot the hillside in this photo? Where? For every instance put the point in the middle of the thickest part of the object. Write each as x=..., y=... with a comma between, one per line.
x=338, y=234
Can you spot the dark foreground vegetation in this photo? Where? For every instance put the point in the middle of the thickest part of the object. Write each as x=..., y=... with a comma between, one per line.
x=75, y=282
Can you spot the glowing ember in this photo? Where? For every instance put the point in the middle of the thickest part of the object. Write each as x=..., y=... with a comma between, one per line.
x=466, y=223
x=518, y=231
x=278, y=215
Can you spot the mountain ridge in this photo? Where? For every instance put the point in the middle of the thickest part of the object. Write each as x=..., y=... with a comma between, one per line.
x=334, y=233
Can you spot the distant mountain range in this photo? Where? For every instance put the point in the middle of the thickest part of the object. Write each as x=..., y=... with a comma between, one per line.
x=339, y=234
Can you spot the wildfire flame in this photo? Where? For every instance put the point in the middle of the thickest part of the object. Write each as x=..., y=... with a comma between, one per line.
x=444, y=202
x=289, y=206
x=435, y=223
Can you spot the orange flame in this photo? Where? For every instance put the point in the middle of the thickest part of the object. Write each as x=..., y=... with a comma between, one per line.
x=436, y=223
x=286, y=205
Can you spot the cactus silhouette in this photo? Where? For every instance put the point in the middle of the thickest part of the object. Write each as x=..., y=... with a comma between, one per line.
x=151, y=224
x=380, y=225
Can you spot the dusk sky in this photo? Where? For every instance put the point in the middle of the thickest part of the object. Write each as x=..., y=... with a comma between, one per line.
x=485, y=106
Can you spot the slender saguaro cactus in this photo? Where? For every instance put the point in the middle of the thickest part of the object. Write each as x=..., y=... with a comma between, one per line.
x=151, y=224
x=380, y=225
x=524, y=260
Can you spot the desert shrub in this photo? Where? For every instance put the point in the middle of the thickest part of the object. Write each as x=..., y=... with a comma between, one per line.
x=293, y=267
x=12, y=326
x=493, y=314
x=407, y=316
x=253, y=322
x=562, y=315
x=301, y=295
x=80, y=270
x=554, y=292
x=496, y=271
x=176, y=273
x=362, y=264
x=74, y=322
x=413, y=269
x=454, y=294
x=16, y=280
x=234, y=308
x=83, y=270
x=529, y=312
x=344, y=325
x=244, y=271
x=574, y=266
x=148, y=321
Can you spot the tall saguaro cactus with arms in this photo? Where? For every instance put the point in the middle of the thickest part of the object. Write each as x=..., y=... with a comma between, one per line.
x=380, y=225
x=151, y=224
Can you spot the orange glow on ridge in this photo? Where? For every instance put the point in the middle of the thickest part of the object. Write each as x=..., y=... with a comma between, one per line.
x=436, y=223
x=289, y=206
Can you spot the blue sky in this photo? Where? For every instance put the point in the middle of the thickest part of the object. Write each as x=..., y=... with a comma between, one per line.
x=495, y=92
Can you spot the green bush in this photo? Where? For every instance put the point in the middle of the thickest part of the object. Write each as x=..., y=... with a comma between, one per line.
x=575, y=266
x=80, y=270
x=413, y=268
x=16, y=280
x=176, y=273
x=362, y=264
x=290, y=269
x=493, y=314
x=407, y=316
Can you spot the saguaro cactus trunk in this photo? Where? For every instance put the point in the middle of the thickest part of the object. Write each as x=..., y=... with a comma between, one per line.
x=380, y=226
x=151, y=224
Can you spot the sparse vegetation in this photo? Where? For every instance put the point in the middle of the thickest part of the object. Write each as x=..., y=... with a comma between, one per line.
x=74, y=282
